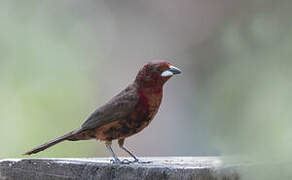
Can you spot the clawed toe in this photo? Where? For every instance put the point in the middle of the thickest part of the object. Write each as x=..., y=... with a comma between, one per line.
x=141, y=162
x=126, y=161
x=144, y=162
x=115, y=161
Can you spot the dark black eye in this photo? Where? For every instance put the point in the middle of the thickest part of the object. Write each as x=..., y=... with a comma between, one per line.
x=158, y=69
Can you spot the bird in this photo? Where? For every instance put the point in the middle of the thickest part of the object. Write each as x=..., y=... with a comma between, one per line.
x=126, y=114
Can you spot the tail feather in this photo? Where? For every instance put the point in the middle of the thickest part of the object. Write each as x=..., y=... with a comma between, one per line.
x=50, y=143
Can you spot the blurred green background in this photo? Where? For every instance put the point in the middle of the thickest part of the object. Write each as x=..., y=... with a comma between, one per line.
x=61, y=59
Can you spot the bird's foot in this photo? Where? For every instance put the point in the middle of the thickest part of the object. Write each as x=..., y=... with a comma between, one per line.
x=141, y=162
x=115, y=161
x=126, y=161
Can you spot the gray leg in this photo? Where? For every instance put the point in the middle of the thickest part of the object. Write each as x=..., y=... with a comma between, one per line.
x=131, y=154
x=121, y=144
x=108, y=146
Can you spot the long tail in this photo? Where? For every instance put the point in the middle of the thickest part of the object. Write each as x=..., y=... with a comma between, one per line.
x=51, y=143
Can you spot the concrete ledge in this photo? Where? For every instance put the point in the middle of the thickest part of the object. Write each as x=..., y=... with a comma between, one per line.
x=175, y=168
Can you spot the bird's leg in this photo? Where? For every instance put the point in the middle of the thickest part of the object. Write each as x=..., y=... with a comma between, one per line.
x=108, y=145
x=121, y=144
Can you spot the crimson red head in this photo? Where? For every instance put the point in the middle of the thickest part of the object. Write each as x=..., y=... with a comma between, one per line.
x=155, y=74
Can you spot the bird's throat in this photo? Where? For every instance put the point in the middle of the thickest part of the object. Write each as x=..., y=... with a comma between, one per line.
x=150, y=100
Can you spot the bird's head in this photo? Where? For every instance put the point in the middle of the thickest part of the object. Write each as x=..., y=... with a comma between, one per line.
x=155, y=74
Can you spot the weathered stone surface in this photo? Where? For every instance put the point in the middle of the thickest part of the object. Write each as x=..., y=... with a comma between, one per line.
x=174, y=168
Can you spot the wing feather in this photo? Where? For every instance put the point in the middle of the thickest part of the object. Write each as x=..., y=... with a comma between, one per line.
x=118, y=108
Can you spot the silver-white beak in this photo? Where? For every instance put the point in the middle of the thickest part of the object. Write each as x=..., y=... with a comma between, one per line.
x=171, y=71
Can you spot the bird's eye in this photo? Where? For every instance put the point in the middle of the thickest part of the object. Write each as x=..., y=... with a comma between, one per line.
x=160, y=69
